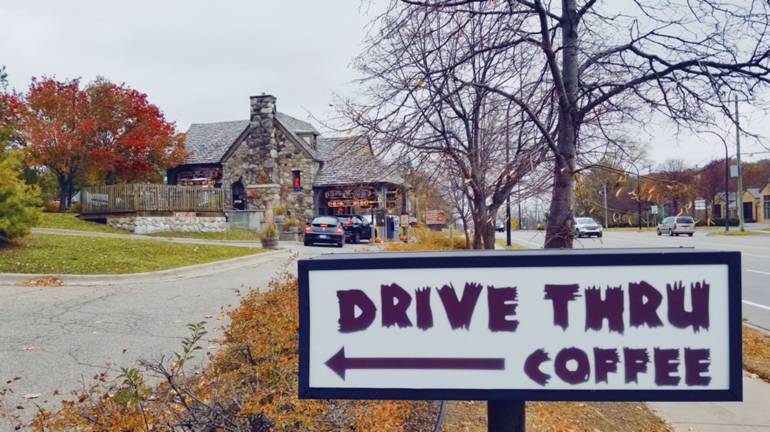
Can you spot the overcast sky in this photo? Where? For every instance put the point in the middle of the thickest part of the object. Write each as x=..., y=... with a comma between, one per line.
x=199, y=61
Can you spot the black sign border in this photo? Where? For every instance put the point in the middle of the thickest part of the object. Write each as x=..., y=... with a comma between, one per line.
x=526, y=258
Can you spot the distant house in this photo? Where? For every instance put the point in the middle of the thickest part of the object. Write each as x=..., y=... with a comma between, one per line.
x=719, y=205
x=273, y=159
x=756, y=203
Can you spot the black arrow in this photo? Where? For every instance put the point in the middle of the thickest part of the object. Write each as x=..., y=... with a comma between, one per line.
x=339, y=363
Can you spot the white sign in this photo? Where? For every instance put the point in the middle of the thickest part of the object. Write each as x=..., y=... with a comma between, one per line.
x=700, y=204
x=434, y=217
x=653, y=326
x=654, y=209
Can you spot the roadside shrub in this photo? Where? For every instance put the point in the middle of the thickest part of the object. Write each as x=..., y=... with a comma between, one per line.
x=716, y=222
x=19, y=202
x=75, y=208
x=422, y=239
x=51, y=207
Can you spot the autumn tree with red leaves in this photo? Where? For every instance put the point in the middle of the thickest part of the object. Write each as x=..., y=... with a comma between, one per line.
x=107, y=130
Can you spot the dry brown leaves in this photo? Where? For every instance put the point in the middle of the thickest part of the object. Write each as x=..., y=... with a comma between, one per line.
x=41, y=281
x=756, y=353
x=471, y=416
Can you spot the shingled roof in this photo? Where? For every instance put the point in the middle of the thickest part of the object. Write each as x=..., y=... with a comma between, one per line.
x=350, y=161
x=209, y=142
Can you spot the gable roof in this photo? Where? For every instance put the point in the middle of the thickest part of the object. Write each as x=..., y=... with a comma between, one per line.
x=754, y=192
x=208, y=142
x=764, y=186
x=350, y=161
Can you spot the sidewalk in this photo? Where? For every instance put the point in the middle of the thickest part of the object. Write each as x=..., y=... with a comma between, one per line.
x=751, y=415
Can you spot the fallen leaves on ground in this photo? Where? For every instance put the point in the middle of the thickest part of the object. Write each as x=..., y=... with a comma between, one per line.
x=756, y=353
x=41, y=281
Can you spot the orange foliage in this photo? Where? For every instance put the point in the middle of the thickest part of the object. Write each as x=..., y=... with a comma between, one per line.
x=251, y=384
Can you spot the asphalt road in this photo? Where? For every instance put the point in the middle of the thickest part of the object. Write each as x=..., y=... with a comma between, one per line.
x=755, y=254
x=56, y=338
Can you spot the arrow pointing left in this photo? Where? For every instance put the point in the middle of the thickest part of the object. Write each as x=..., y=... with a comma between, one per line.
x=339, y=363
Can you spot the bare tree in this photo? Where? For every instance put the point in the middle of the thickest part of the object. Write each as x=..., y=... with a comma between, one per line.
x=423, y=104
x=611, y=64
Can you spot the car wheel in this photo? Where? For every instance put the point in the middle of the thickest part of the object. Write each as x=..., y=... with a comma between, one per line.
x=658, y=231
x=357, y=238
x=577, y=234
x=307, y=243
x=690, y=234
x=341, y=244
x=670, y=233
x=676, y=234
x=599, y=235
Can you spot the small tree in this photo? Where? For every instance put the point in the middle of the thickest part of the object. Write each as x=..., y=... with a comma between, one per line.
x=107, y=133
x=19, y=202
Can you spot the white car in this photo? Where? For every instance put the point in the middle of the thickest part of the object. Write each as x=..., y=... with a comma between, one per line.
x=585, y=226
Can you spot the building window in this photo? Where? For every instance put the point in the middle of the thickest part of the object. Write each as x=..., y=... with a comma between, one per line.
x=297, y=181
x=767, y=206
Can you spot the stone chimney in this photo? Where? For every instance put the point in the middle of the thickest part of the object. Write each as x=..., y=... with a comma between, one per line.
x=263, y=176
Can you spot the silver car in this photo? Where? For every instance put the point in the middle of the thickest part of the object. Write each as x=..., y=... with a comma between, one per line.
x=585, y=226
x=675, y=225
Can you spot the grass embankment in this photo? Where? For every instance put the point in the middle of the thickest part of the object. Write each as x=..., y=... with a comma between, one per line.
x=231, y=234
x=632, y=229
x=69, y=221
x=736, y=233
x=756, y=352
x=63, y=254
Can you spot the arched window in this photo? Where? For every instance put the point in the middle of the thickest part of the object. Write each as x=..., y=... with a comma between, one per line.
x=239, y=200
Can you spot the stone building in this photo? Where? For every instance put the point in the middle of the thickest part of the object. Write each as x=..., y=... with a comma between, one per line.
x=275, y=160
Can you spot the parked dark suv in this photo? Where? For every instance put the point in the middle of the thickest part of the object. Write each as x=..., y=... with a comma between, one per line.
x=356, y=228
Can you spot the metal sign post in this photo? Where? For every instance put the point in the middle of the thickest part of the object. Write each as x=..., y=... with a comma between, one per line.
x=515, y=326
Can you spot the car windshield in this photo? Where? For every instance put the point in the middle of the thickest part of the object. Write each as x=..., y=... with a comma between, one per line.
x=584, y=221
x=684, y=220
x=325, y=220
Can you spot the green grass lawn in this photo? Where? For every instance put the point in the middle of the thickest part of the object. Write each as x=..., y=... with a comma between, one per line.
x=633, y=229
x=231, y=234
x=736, y=232
x=69, y=221
x=62, y=254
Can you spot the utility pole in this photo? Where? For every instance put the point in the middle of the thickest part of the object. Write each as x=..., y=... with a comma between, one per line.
x=739, y=192
x=518, y=225
x=606, y=215
x=508, y=174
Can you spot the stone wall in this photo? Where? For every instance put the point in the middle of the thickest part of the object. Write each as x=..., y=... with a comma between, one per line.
x=254, y=162
x=264, y=162
x=185, y=223
x=298, y=205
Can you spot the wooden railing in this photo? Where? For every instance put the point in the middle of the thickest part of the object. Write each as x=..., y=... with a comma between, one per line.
x=151, y=198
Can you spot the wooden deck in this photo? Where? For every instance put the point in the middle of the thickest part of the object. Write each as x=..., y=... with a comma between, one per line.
x=148, y=198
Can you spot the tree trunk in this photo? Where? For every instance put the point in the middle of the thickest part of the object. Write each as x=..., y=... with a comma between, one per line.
x=465, y=232
x=489, y=229
x=62, y=179
x=559, y=233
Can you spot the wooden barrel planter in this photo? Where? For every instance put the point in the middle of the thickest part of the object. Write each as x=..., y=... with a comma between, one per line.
x=269, y=242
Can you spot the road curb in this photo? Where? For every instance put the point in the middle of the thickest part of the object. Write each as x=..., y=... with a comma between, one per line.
x=171, y=274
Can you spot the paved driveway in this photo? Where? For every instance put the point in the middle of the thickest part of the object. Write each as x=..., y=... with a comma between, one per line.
x=54, y=337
